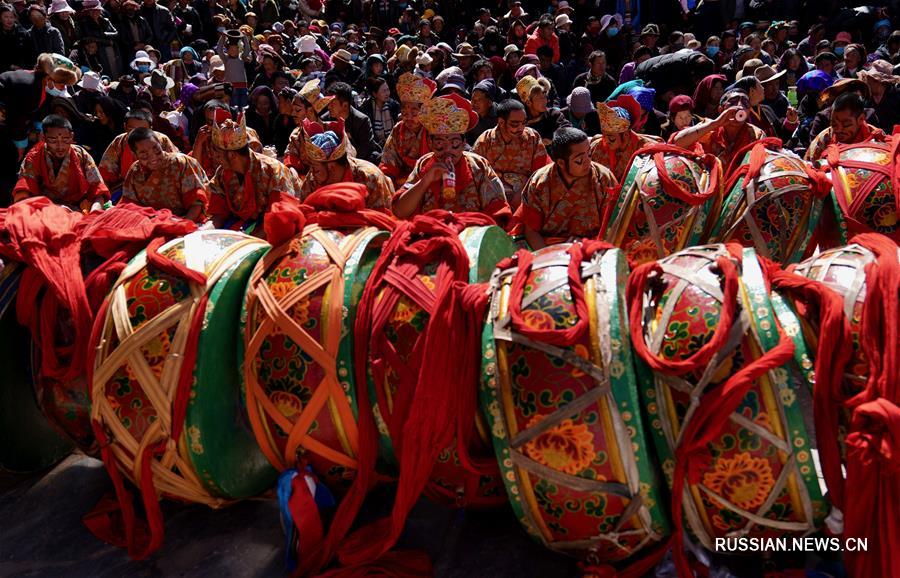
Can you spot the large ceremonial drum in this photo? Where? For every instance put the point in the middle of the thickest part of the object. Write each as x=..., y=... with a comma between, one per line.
x=753, y=474
x=773, y=202
x=165, y=376
x=864, y=198
x=30, y=443
x=665, y=204
x=404, y=330
x=297, y=349
x=565, y=418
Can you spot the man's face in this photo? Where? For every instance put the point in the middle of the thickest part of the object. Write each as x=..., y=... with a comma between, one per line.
x=513, y=60
x=338, y=109
x=514, y=126
x=845, y=126
x=149, y=153
x=770, y=89
x=465, y=62
x=598, y=66
x=756, y=94
x=447, y=148
x=683, y=119
x=481, y=103
x=298, y=111
x=133, y=123
x=409, y=112
x=538, y=101
x=280, y=83
x=578, y=163
x=324, y=173
x=546, y=32
x=58, y=141
x=545, y=61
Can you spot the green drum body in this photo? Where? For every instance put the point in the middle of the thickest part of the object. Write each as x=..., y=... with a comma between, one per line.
x=165, y=376
x=297, y=354
x=863, y=195
x=654, y=216
x=566, y=421
x=758, y=478
x=30, y=443
x=775, y=211
x=407, y=321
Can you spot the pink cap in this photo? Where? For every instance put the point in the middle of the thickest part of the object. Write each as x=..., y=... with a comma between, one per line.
x=843, y=37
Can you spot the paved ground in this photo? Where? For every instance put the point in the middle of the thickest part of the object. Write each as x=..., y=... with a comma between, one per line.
x=41, y=535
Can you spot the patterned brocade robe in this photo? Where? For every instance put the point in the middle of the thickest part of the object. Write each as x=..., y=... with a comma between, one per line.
x=177, y=185
x=617, y=161
x=559, y=210
x=77, y=183
x=478, y=189
x=513, y=161
x=118, y=158
x=202, y=149
x=243, y=199
x=403, y=148
x=381, y=191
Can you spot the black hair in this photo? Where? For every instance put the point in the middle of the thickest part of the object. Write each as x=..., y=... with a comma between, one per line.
x=505, y=107
x=373, y=83
x=849, y=101
x=564, y=139
x=544, y=50
x=746, y=83
x=56, y=121
x=642, y=51
x=140, y=135
x=341, y=91
x=595, y=55
x=139, y=114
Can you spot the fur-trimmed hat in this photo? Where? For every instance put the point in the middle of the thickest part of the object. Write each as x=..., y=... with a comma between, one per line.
x=59, y=68
x=528, y=84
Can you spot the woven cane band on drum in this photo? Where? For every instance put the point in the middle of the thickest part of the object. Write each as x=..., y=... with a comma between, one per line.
x=173, y=474
x=761, y=323
x=269, y=314
x=636, y=520
x=771, y=176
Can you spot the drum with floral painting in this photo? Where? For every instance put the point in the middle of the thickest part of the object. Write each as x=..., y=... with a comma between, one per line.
x=167, y=348
x=296, y=357
x=566, y=421
x=758, y=476
x=655, y=217
x=863, y=196
x=450, y=483
x=775, y=210
x=30, y=442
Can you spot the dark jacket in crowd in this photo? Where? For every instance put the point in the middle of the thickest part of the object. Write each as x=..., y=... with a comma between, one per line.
x=132, y=31
x=548, y=122
x=163, y=27
x=359, y=131
x=679, y=71
x=16, y=49
x=600, y=89
x=47, y=39
x=20, y=91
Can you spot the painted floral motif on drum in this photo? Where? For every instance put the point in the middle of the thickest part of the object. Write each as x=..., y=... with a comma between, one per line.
x=567, y=447
x=743, y=480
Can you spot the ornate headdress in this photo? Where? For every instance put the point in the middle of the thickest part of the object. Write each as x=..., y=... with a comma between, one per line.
x=312, y=93
x=448, y=114
x=59, y=68
x=324, y=143
x=615, y=119
x=528, y=84
x=412, y=88
x=230, y=135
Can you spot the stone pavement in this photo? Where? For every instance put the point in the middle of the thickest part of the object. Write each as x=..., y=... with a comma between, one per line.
x=41, y=535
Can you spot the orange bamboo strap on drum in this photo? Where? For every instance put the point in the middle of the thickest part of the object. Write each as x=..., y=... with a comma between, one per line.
x=269, y=314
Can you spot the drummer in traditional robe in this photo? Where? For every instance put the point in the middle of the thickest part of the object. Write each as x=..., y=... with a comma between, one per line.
x=618, y=141
x=566, y=199
x=306, y=107
x=513, y=150
x=448, y=177
x=61, y=170
x=246, y=182
x=407, y=142
x=165, y=180
x=118, y=157
x=848, y=126
x=725, y=135
x=330, y=162
x=216, y=111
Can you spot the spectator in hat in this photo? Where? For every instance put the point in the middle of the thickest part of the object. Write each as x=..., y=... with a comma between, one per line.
x=156, y=93
x=90, y=89
x=270, y=62
x=162, y=25
x=343, y=70
x=543, y=35
x=680, y=116
x=517, y=34
x=841, y=40
x=485, y=95
x=567, y=40
x=123, y=90
x=425, y=36
x=597, y=80
x=612, y=42
x=95, y=25
x=534, y=94
x=135, y=32
x=884, y=96
x=772, y=95
x=16, y=46
x=465, y=57
x=649, y=37
x=60, y=14
x=578, y=111
x=357, y=125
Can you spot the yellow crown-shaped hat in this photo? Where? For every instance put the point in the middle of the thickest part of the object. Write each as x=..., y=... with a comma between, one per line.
x=230, y=135
x=324, y=143
x=312, y=93
x=448, y=114
x=412, y=88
